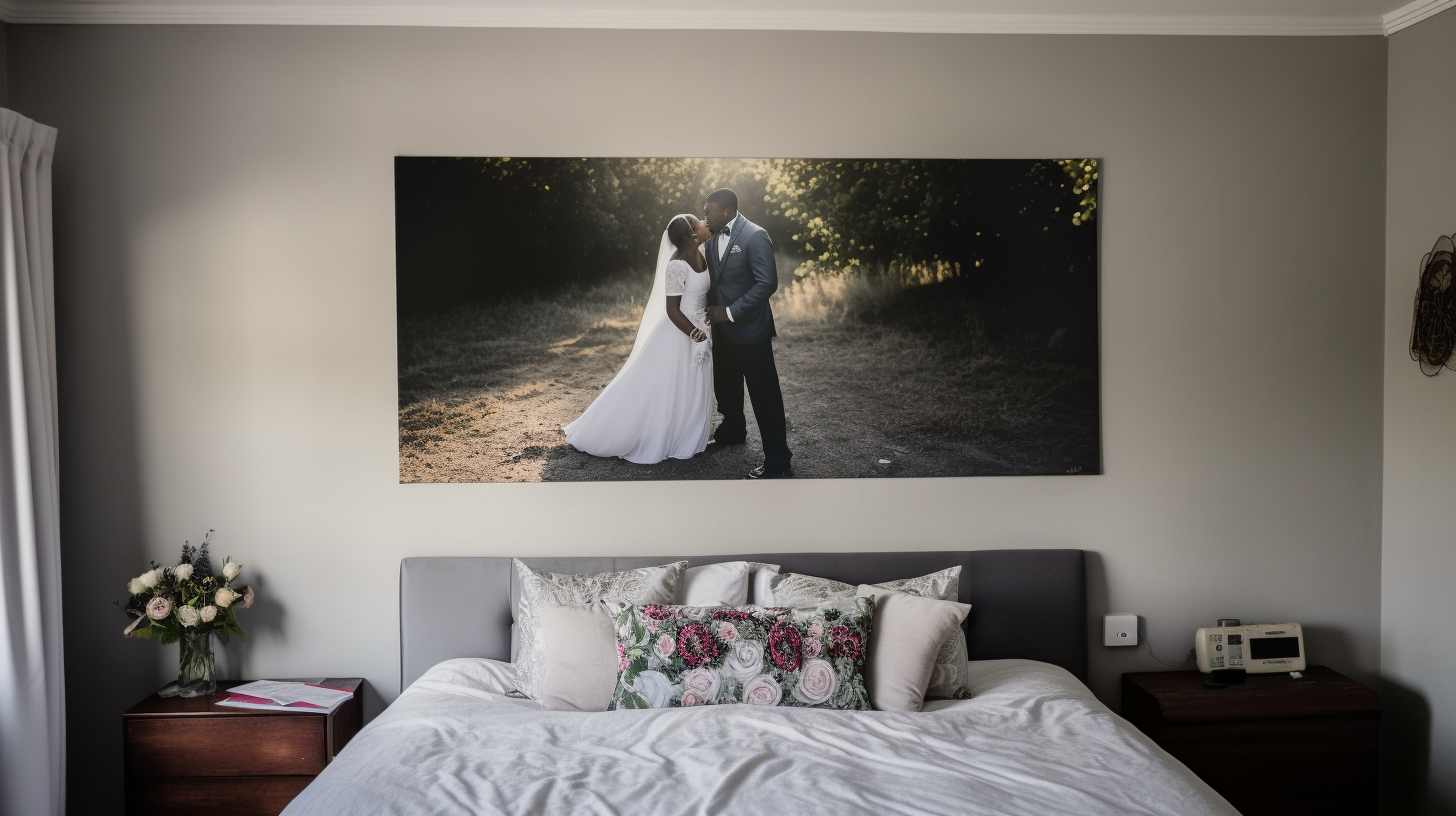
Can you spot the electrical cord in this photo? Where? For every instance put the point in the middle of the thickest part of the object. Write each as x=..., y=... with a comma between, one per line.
x=1148, y=647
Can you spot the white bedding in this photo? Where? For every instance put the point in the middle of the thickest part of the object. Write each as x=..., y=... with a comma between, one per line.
x=1033, y=740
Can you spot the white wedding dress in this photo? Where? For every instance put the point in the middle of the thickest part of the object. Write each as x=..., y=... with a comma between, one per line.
x=658, y=405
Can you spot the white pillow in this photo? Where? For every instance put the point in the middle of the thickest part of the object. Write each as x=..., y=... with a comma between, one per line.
x=580, y=665
x=950, y=678
x=648, y=585
x=760, y=580
x=908, y=632
x=723, y=584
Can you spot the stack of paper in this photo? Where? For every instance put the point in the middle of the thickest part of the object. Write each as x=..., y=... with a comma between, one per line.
x=283, y=695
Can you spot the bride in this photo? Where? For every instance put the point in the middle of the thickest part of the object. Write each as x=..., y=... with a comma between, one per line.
x=658, y=405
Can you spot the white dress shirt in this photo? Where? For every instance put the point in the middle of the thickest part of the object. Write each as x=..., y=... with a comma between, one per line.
x=722, y=239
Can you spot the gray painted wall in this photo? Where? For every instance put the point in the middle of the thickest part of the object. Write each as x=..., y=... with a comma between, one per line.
x=1419, y=557
x=226, y=314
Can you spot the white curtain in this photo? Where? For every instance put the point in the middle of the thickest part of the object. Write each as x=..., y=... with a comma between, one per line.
x=32, y=692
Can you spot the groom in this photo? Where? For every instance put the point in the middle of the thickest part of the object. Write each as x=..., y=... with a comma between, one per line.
x=743, y=276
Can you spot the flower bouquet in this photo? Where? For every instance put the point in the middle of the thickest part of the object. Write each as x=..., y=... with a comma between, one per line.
x=188, y=604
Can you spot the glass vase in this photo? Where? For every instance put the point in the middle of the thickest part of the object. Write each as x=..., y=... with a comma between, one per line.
x=195, y=677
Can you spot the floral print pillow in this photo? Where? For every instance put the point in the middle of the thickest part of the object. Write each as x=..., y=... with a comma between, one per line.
x=677, y=656
x=949, y=680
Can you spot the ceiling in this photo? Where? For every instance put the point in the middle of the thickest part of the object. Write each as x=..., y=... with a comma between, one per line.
x=1236, y=17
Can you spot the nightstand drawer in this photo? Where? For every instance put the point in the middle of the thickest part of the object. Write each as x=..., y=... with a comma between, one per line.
x=221, y=746
x=235, y=796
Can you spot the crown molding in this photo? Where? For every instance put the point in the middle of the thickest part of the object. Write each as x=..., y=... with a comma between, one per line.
x=20, y=11
x=1412, y=13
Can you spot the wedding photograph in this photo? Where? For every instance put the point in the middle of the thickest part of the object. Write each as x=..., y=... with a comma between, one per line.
x=607, y=319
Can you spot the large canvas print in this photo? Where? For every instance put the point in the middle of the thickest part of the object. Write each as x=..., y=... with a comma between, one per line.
x=597, y=319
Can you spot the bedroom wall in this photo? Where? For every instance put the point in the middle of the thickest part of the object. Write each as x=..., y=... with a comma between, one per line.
x=226, y=318
x=4, y=65
x=1419, y=558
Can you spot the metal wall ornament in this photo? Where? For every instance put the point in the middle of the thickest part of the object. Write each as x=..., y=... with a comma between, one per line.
x=1433, y=328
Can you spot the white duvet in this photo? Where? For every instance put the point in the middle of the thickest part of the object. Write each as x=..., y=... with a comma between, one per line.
x=1033, y=740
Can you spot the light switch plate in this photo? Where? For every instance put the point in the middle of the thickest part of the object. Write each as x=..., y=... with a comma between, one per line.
x=1119, y=629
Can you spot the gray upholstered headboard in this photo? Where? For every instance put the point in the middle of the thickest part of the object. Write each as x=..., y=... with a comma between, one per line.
x=1025, y=603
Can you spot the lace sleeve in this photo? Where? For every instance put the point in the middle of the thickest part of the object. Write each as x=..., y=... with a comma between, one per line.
x=675, y=282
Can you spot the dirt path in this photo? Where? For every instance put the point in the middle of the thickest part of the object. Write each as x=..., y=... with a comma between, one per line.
x=484, y=402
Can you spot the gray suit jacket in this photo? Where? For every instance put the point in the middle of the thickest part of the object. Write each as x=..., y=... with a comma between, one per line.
x=743, y=281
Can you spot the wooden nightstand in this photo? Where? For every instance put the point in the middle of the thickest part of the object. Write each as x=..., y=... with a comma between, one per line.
x=1270, y=745
x=190, y=756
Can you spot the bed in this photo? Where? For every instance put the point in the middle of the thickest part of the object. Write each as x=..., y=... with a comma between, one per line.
x=1031, y=740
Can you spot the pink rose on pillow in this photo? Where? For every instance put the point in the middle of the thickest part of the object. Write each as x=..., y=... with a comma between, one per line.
x=763, y=690
x=726, y=632
x=811, y=648
x=816, y=629
x=690, y=699
x=702, y=684
x=666, y=647
x=817, y=682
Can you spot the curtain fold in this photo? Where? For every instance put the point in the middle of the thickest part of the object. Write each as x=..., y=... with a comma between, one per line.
x=32, y=689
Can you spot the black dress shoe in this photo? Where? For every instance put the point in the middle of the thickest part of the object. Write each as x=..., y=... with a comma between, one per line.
x=762, y=472
x=725, y=442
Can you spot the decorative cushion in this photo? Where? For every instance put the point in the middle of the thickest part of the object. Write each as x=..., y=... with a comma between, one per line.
x=541, y=589
x=907, y=635
x=579, y=671
x=677, y=656
x=950, y=677
x=724, y=584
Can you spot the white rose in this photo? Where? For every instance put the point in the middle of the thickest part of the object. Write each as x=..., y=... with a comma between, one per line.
x=150, y=578
x=224, y=597
x=182, y=571
x=762, y=690
x=135, y=586
x=230, y=570
x=703, y=684
x=745, y=660
x=208, y=613
x=817, y=682
x=653, y=687
x=187, y=615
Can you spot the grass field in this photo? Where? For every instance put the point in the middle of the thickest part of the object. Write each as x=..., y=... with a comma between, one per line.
x=885, y=373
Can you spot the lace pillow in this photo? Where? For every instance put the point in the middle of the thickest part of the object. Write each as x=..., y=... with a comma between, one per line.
x=540, y=589
x=949, y=679
x=679, y=656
